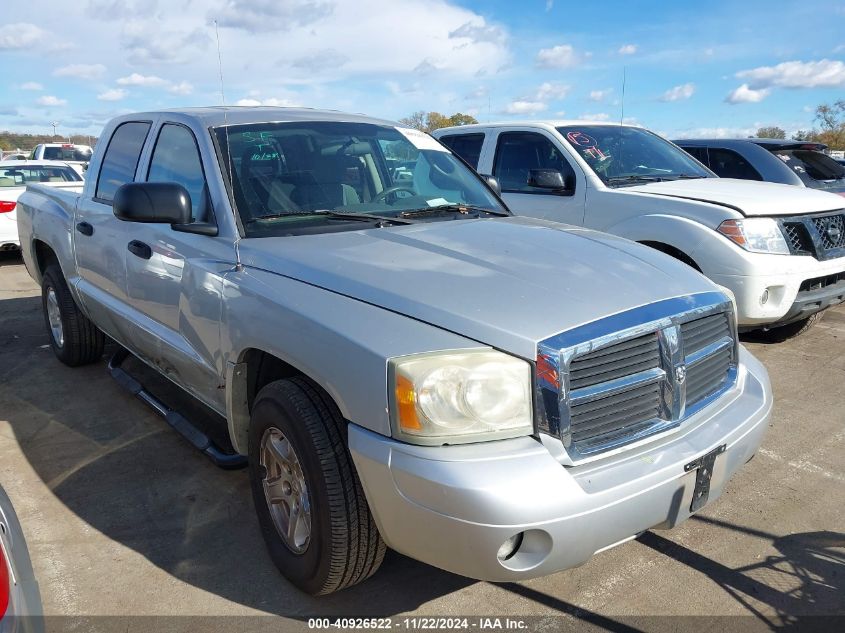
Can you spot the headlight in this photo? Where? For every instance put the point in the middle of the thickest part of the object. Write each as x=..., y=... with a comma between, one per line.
x=758, y=235
x=452, y=397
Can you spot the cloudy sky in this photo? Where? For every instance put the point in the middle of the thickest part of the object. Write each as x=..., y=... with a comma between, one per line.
x=723, y=70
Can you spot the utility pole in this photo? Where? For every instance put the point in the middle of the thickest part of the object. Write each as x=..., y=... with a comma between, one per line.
x=55, y=124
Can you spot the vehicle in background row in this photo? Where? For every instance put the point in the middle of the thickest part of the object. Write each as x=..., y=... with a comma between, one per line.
x=773, y=160
x=403, y=362
x=779, y=249
x=78, y=156
x=20, y=599
x=14, y=177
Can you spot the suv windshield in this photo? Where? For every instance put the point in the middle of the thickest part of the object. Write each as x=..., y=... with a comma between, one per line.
x=290, y=177
x=815, y=169
x=622, y=155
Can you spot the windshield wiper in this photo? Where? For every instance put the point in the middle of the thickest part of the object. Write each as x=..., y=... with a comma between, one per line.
x=465, y=209
x=363, y=217
x=634, y=178
x=687, y=176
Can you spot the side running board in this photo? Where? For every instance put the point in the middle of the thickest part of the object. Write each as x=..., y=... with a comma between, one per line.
x=180, y=424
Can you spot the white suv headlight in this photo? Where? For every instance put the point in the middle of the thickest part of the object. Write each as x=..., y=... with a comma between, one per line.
x=758, y=235
x=458, y=397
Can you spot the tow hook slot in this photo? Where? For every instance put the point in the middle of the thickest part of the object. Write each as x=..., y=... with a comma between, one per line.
x=180, y=424
x=703, y=467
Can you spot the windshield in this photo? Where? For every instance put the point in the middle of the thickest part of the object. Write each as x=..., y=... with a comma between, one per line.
x=291, y=176
x=69, y=152
x=813, y=168
x=622, y=155
x=14, y=176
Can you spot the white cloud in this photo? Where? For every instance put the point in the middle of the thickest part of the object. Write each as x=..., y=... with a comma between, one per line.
x=479, y=31
x=825, y=73
x=88, y=72
x=599, y=116
x=257, y=16
x=561, y=56
x=679, y=93
x=524, y=107
x=272, y=101
x=31, y=85
x=114, y=94
x=50, y=101
x=600, y=95
x=713, y=132
x=136, y=79
x=19, y=35
x=744, y=94
x=479, y=93
x=550, y=5
x=551, y=91
x=182, y=88
x=628, y=49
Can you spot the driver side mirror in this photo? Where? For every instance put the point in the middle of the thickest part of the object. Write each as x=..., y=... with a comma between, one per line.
x=153, y=202
x=550, y=179
x=493, y=183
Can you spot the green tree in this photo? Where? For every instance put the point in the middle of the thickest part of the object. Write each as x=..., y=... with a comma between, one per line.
x=430, y=121
x=831, y=120
x=771, y=131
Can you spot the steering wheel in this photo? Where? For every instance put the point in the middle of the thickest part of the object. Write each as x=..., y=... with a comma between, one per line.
x=392, y=191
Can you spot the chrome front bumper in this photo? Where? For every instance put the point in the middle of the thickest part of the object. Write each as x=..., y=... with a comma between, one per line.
x=454, y=506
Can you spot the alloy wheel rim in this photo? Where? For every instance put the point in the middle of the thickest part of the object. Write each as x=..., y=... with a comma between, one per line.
x=285, y=490
x=54, y=317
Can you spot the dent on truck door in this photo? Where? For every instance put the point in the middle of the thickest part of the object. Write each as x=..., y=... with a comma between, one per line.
x=174, y=279
x=100, y=238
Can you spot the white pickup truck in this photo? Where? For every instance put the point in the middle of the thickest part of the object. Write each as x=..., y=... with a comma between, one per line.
x=780, y=249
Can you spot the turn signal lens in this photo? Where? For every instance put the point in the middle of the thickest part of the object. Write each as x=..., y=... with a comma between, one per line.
x=406, y=405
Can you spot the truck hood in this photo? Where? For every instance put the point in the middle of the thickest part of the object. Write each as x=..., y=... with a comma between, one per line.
x=505, y=282
x=749, y=197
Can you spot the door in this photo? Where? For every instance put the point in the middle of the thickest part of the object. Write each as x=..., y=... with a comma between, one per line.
x=516, y=154
x=99, y=237
x=174, y=277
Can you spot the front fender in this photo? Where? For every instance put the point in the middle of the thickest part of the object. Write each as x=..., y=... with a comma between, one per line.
x=339, y=342
x=681, y=233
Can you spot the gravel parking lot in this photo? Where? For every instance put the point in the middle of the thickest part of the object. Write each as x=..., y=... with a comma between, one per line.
x=124, y=518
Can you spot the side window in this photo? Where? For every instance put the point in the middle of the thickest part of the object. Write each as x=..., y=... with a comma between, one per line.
x=121, y=158
x=176, y=158
x=699, y=153
x=518, y=152
x=728, y=164
x=467, y=146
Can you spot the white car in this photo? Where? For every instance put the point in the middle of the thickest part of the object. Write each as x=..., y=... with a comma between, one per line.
x=15, y=175
x=780, y=249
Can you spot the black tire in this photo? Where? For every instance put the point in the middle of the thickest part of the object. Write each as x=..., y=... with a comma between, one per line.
x=345, y=546
x=790, y=330
x=82, y=342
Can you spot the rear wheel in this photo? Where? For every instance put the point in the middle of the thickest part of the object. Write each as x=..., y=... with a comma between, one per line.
x=74, y=338
x=313, y=514
x=790, y=330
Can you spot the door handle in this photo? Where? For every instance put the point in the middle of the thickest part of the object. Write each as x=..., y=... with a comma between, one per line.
x=85, y=228
x=140, y=249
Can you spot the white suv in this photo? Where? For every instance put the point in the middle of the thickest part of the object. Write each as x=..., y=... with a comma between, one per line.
x=780, y=249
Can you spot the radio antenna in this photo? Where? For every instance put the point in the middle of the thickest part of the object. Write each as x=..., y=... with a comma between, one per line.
x=622, y=114
x=229, y=168
x=220, y=67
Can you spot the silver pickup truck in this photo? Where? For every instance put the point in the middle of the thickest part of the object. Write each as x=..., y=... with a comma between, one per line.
x=403, y=362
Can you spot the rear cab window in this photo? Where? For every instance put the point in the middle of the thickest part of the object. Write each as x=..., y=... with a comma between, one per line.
x=176, y=158
x=467, y=146
x=121, y=158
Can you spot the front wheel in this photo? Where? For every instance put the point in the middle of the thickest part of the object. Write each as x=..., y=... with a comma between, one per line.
x=311, y=508
x=74, y=338
x=791, y=330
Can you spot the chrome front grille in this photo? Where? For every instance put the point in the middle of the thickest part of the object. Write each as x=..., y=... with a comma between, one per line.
x=708, y=349
x=635, y=374
x=822, y=236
